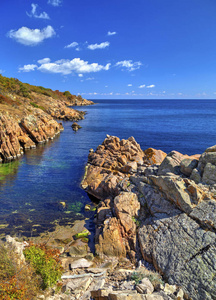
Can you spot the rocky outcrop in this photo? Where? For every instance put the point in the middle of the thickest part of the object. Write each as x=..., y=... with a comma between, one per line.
x=31, y=122
x=12, y=139
x=75, y=126
x=176, y=219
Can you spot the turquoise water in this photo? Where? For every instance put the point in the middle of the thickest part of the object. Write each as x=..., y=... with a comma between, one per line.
x=32, y=188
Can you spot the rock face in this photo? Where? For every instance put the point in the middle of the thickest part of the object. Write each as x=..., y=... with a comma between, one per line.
x=109, y=164
x=171, y=204
x=24, y=128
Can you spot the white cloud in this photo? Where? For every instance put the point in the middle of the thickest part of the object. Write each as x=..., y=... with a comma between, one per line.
x=34, y=14
x=142, y=86
x=90, y=78
x=72, y=45
x=78, y=49
x=44, y=60
x=80, y=75
x=31, y=37
x=129, y=84
x=150, y=86
x=76, y=65
x=55, y=2
x=129, y=64
x=111, y=33
x=98, y=46
x=28, y=68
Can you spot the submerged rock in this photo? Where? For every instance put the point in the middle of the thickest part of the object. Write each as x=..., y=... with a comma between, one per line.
x=75, y=126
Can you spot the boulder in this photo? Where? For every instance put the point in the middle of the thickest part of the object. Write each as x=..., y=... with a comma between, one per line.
x=75, y=126
x=110, y=241
x=145, y=287
x=109, y=164
x=153, y=156
x=183, y=192
x=126, y=207
x=171, y=163
x=187, y=165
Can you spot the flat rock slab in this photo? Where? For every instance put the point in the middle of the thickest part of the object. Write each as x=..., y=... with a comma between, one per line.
x=81, y=263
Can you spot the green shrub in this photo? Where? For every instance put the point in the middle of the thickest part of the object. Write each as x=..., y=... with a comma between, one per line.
x=17, y=280
x=67, y=93
x=37, y=106
x=45, y=263
x=137, y=277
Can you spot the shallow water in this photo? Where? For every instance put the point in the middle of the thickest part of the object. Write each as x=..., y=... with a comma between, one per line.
x=32, y=187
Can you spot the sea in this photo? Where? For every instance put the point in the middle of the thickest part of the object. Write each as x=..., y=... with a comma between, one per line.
x=42, y=189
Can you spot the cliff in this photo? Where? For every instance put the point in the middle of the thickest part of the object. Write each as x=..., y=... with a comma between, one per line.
x=28, y=115
x=159, y=207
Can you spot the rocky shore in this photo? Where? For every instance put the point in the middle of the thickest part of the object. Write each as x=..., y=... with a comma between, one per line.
x=157, y=208
x=155, y=228
x=29, y=114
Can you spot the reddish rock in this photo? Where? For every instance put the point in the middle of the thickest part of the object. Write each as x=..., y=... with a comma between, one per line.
x=40, y=126
x=153, y=156
x=10, y=136
x=109, y=164
x=111, y=242
x=126, y=207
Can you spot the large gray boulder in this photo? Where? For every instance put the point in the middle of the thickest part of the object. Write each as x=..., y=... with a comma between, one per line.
x=178, y=246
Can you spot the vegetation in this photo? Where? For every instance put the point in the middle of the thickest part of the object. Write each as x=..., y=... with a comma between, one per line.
x=17, y=280
x=45, y=262
x=154, y=277
x=12, y=86
x=37, y=106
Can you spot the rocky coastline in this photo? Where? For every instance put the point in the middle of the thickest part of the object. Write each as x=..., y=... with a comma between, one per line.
x=29, y=114
x=159, y=208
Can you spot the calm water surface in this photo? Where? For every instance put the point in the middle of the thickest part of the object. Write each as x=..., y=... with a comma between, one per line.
x=32, y=188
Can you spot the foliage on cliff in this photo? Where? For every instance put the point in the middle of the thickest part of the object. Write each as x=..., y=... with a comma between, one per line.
x=45, y=262
x=17, y=279
x=11, y=87
x=21, y=280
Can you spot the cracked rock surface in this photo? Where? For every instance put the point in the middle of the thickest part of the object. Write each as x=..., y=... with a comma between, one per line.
x=177, y=216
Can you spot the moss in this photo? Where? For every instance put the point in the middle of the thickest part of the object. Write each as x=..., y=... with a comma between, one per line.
x=83, y=234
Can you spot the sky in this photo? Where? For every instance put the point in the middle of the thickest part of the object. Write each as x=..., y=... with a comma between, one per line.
x=122, y=49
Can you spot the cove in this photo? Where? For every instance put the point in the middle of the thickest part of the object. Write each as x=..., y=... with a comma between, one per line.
x=32, y=187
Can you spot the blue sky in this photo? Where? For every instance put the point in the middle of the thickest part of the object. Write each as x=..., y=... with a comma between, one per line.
x=136, y=49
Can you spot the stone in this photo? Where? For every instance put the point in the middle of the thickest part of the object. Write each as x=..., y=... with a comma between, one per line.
x=78, y=284
x=145, y=287
x=153, y=156
x=18, y=247
x=170, y=289
x=81, y=263
x=110, y=242
x=78, y=249
x=195, y=176
x=75, y=126
x=206, y=157
x=124, y=295
x=171, y=163
x=127, y=206
x=187, y=165
x=211, y=149
x=209, y=174
x=180, y=294
x=109, y=164
x=154, y=296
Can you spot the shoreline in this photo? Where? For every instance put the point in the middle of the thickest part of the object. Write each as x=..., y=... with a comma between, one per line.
x=152, y=206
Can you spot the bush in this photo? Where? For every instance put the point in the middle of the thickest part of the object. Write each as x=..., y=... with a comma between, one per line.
x=45, y=262
x=37, y=106
x=17, y=280
x=67, y=93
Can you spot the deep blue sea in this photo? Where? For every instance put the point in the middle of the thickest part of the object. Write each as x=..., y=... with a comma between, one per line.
x=32, y=187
